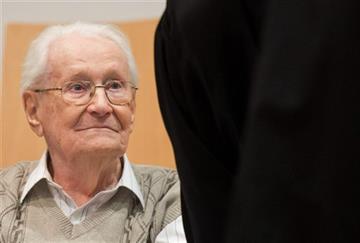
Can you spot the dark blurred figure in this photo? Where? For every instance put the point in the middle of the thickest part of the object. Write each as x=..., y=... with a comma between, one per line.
x=261, y=102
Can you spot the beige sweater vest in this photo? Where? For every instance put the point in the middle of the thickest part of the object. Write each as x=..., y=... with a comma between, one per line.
x=121, y=219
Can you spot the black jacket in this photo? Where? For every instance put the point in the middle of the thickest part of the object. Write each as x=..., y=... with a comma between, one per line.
x=261, y=102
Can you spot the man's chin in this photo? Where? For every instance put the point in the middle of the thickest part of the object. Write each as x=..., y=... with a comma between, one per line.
x=101, y=134
x=103, y=150
x=101, y=144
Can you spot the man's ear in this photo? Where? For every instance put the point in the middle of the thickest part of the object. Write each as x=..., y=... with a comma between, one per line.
x=31, y=106
x=132, y=106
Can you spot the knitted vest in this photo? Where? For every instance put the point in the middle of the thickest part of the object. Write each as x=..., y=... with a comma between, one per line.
x=121, y=219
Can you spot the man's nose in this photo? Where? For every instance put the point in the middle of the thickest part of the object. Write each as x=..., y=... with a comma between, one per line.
x=99, y=103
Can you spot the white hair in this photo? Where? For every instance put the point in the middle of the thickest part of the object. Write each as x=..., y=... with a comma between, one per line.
x=36, y=59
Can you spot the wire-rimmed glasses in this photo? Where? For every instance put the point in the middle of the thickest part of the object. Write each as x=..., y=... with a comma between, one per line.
x=118, y=92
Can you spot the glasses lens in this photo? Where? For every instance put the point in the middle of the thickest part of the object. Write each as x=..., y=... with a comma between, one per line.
x=77, y=93
x=118, y=92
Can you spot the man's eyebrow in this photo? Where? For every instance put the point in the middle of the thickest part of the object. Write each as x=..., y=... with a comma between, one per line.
x=113, y=74
x=108, y=74
x=79, y=76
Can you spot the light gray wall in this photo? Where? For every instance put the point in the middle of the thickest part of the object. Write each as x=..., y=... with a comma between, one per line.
x=65, y=11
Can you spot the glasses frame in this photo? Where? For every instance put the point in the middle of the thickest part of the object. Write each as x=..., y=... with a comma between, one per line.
x=92, y=93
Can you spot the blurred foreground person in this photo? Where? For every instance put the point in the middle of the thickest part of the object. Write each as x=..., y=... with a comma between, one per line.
x=260, y=101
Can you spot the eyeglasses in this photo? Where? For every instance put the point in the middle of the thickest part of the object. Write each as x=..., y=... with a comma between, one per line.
x=81, y=92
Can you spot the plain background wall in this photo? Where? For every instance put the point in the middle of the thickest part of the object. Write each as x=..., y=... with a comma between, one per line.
x=23, y=21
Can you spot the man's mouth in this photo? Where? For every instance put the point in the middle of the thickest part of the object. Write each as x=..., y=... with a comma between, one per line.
x=98, y=128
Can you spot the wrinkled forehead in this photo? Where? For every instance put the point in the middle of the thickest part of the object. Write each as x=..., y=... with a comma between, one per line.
x=76, y=45
x=91, y=53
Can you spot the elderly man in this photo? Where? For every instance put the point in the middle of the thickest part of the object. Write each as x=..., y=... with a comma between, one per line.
x=78, y=89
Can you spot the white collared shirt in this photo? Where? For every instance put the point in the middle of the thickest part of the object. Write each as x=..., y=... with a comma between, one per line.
x=173, y=232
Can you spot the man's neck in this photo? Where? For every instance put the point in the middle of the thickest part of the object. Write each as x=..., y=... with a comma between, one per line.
x=83, y=178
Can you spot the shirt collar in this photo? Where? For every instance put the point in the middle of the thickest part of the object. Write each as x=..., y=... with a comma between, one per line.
x=41, y=171
x=128, y=180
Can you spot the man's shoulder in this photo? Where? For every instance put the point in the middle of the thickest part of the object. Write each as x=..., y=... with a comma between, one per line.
x=12, y=176
x=157, y=181
x=156, y=177
x=155, y=172
x=16, y=170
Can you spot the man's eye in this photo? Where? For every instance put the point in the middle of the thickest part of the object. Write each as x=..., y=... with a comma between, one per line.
x=115, y=85
x=77, y=87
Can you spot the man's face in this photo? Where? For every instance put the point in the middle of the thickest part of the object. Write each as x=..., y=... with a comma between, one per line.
x=97, y=127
